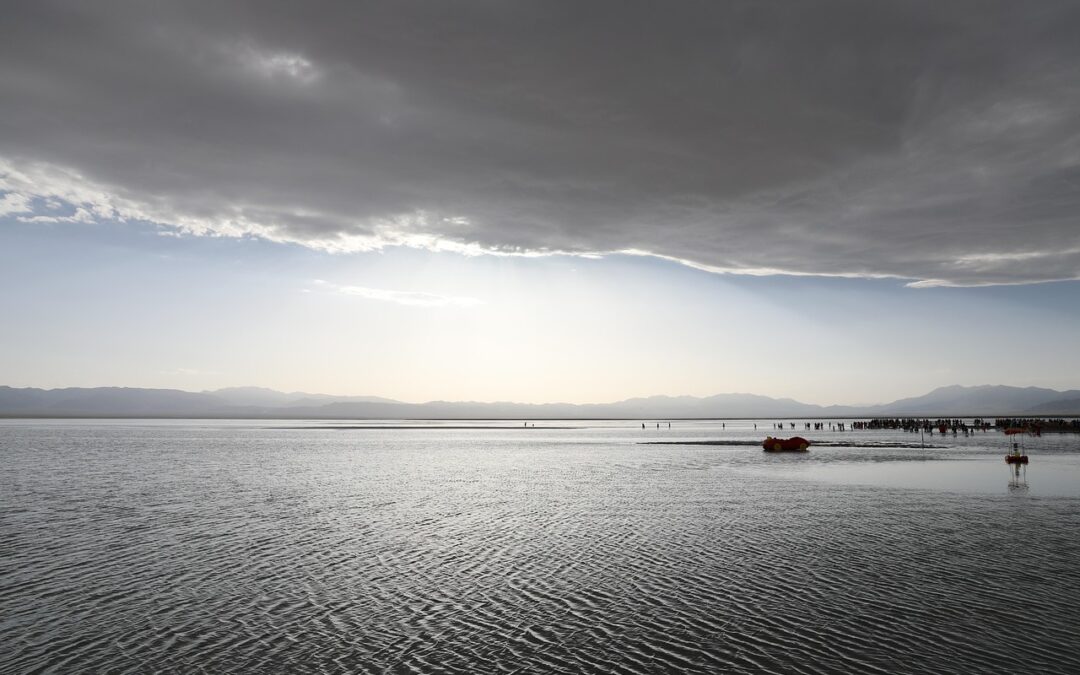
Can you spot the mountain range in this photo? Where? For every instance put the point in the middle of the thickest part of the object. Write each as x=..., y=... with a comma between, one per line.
x=259, y=403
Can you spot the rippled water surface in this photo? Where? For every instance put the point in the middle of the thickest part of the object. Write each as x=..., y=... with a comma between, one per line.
x=284, y=547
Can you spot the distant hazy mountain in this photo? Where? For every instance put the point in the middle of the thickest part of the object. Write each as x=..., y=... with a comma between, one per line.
x=269, y=398
x=1070, y=406
x=104, y=401
x=134, y=402
x=985, y=400
x=255, y=402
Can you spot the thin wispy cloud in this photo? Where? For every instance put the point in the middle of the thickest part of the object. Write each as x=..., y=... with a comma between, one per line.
x=279, y=64
x=410, y=298
x=188, y=372
x=936, y=142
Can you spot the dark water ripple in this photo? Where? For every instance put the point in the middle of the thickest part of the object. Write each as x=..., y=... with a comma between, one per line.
x=185, y=548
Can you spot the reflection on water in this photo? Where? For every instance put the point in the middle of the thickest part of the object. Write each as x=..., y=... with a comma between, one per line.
x=1018, y=482
x=971, y=466
x=1055, y=476
x=234, y=547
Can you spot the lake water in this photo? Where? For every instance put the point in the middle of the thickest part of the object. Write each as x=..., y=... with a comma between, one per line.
x=181, y=546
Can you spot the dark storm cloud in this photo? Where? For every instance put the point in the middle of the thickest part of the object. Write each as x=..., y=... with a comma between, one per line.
x=935, y=141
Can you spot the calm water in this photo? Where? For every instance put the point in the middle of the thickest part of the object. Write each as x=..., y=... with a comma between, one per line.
x=250, y=547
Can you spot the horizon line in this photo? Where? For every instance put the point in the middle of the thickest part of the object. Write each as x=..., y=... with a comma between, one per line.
x=392, y=401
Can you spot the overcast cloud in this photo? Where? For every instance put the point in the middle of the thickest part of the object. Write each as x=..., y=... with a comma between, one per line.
x=933, y=141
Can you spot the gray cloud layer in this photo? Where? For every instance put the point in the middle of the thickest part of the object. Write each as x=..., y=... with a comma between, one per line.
x=936, y=141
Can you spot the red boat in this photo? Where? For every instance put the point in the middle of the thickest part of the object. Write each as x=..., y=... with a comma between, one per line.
x=793, y=444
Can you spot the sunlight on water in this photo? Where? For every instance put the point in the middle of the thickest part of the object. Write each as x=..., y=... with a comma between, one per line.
x=566, y=547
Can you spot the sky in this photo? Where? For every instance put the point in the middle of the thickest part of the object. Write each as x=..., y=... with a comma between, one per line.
x=840, y=202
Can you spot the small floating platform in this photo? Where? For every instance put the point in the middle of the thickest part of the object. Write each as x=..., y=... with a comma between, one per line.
x=1016, y=459
x=793, y=444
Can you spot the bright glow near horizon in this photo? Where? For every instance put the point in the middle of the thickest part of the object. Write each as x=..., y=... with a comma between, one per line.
x=114, y=305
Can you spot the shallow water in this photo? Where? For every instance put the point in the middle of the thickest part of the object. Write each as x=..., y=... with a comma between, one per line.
x=133, y=546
